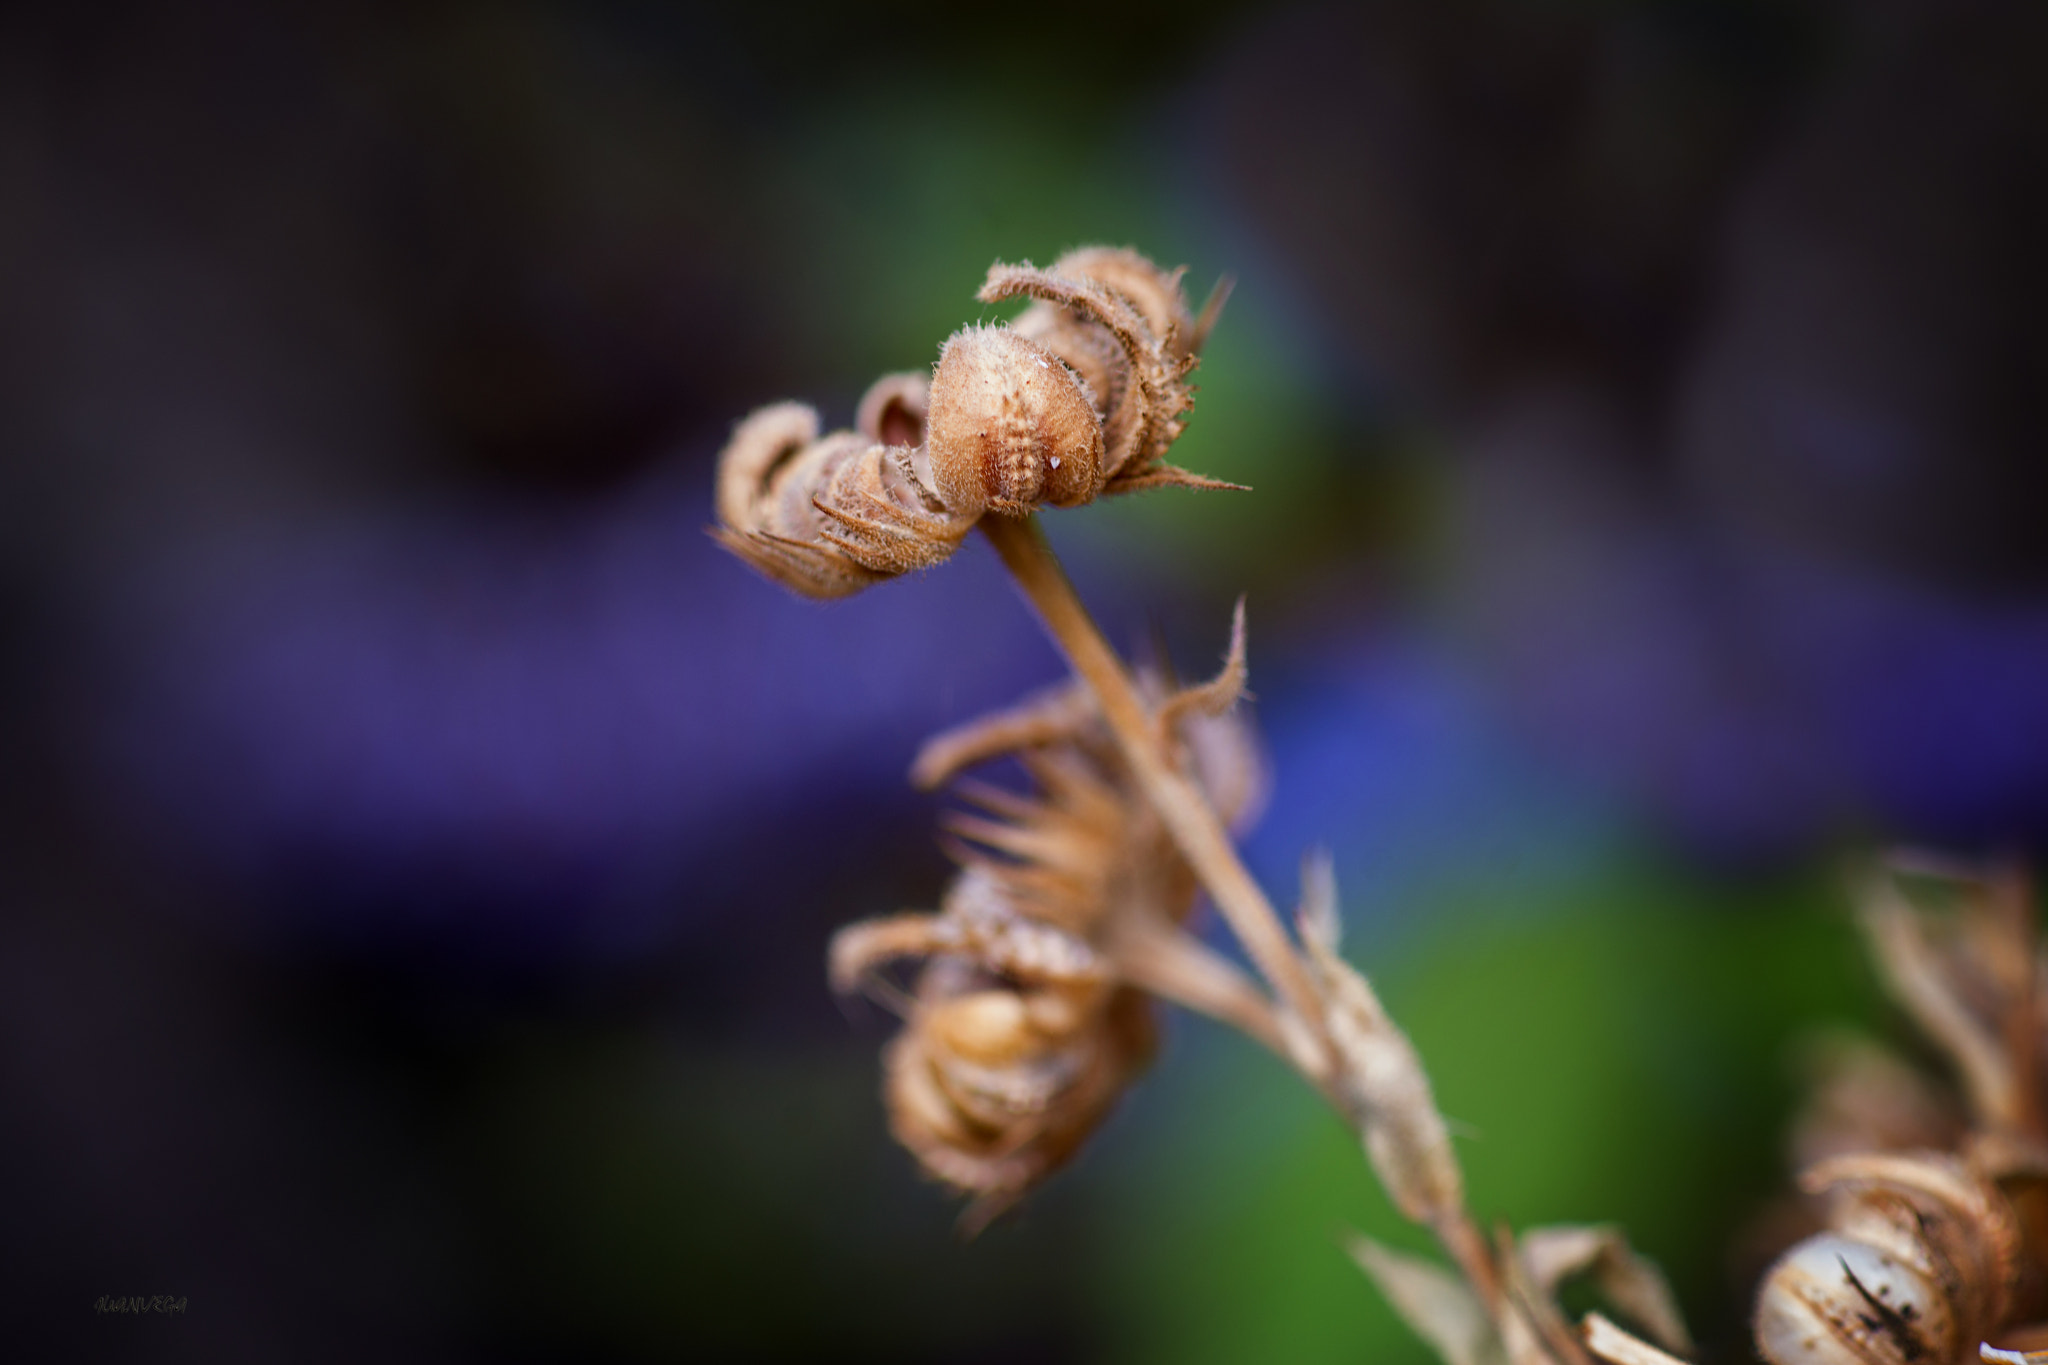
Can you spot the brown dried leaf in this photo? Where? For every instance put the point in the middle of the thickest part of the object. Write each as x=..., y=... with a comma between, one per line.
x=1917, y=976
x=1861, y=1097
x=1628, y=1282
x=1617, y=1347
x=1435, y=1303
x=1378, y=1078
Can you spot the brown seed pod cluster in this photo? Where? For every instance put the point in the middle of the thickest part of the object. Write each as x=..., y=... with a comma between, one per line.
x=1917, y=1267
x=1927, y=1253
x=1081, y=397
x=1025, y=1023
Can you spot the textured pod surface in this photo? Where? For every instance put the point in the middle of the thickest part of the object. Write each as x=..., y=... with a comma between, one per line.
x=1010, y=427
x=996, y=1130
x=892, y=411
x=770, y=476
x=1834, y=1301
x=1156, y=294
x=1918, y=1266
x=1026, y=1024
x=830, y=515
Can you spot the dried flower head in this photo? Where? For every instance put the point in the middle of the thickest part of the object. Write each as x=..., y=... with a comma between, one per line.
x=1925, y=1250
x=1917, y=1267
x=1081, y=398
x=1121, y=324
x=1028, y=1019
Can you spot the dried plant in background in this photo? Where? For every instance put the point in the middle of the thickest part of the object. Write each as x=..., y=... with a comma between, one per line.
x=1029, y=1016
x=1936, y=1221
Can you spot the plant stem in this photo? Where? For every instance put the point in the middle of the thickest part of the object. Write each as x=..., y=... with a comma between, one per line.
x=1182, y=807
x=1203, y=841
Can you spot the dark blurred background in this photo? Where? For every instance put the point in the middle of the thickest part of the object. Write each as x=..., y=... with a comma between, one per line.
x=418, y=843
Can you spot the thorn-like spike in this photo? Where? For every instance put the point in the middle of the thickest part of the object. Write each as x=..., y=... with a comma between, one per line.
x=1212, y=309
x=1318, y=916
x=1022, y=843
x=1169, y=476
x=1220, y=693
x=999, y=800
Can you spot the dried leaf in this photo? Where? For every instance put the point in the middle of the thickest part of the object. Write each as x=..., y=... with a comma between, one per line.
x=1915, y=973
x=1861, y=1097
x=1437, y=1305
x=1378, y=1078
x=1611, y=1344
x=1628, y=1282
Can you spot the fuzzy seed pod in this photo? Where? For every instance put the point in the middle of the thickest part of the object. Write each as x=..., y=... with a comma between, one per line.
x=1121, y=324
x=828, y=516
x=1010, y=427
x=1081, y=399
x=769, y=480
x=1024, y=1026
x=1917, y=1267
x=892, y=411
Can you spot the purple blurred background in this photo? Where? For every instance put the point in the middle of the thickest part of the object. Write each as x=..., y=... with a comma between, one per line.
x=1642, y=401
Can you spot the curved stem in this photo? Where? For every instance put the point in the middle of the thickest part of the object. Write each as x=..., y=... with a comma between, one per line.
x=1182, y=807
x=1203, y=841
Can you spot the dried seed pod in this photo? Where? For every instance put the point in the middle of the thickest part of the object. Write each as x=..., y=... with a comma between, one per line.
x=1917, y=1267
x=1026, y=1022
x=1010, y=427
x=1121, y=324
x=769, y=478
x=1156, y=294
x=1082, y=398
x=826, y=516
x=996, y=1128
x=892, y=411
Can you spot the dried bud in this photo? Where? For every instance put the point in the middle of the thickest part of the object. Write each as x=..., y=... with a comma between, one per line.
x=1155, y=294
x=1010, y=427
x=1917, y=1267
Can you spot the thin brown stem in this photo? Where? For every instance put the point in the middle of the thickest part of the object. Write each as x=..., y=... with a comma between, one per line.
x=1203, y=841
x=1467, y=1247
x=1180, y=803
